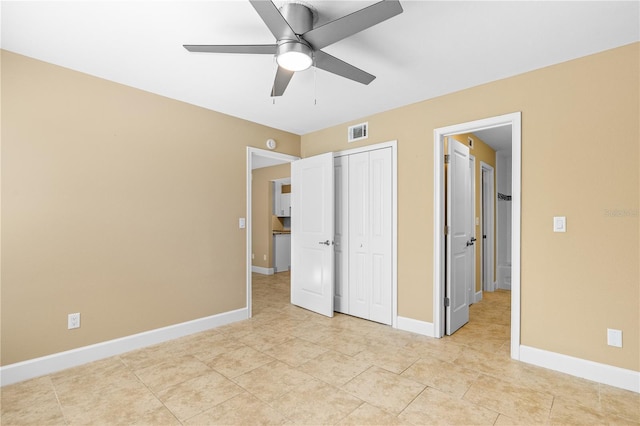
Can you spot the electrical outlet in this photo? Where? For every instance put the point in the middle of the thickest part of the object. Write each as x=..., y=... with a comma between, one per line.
x=73, y=321
x=264, y=257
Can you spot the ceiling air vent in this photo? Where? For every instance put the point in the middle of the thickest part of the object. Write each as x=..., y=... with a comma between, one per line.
x=358, y=132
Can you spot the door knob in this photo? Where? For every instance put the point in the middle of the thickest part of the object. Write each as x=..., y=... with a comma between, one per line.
x=326, y=243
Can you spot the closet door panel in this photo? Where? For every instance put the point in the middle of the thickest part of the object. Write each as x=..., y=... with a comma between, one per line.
x=359, y=235
x=380, y=239
x=341, y=240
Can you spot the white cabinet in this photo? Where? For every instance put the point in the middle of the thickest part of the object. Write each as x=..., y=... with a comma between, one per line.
x=281, y=252
x=282, y=198
x=285, y=205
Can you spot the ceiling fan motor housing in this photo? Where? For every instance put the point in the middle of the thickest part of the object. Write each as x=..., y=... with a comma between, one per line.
x=299, y=16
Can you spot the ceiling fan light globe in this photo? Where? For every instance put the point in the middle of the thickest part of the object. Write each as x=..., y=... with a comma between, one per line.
x=294, y=56
x=294, y=61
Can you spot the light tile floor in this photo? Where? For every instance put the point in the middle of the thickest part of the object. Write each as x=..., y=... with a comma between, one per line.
x=289, y=366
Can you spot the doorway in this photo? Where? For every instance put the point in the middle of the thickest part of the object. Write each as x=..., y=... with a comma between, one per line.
x=255, y=155
x=257, y=158
x=514, y=121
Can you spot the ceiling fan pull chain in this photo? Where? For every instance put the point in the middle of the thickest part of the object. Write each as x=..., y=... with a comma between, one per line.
x=275, y=65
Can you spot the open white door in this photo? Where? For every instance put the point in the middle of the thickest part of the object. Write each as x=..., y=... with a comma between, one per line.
x=312, y=231
x=459, y=217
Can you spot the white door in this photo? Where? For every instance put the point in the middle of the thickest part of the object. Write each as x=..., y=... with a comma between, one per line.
x=380, y=239
x=370, y=235
x=471, y=259
x=312, y=229
x=341, y=177
x=359, y=224
x=487, y=227
x=458, y=237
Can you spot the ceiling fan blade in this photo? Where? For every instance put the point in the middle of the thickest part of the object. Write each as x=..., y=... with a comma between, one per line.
x=283, y=77
x=353, y=23
x=240, y=48
x=334, y=65
x=274, y=19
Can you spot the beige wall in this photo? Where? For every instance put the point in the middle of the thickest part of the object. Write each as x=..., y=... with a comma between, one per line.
x=574, y=285
x=118, y=204
x=262, y=208
x=124, y=205
x=482, y=152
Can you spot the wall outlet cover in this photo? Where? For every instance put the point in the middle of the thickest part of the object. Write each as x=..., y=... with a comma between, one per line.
x=614, y=338
x=73, y=321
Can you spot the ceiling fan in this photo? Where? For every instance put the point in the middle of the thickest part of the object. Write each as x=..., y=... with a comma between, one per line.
x=298, y=43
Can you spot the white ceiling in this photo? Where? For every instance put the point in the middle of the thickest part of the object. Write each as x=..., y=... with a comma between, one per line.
x=499, y=138
x=431, y=49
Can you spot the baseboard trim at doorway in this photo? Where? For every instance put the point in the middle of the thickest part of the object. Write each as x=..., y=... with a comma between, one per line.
x=415, y=326
x=36, y=367
x=261, y=270
x=590, y=370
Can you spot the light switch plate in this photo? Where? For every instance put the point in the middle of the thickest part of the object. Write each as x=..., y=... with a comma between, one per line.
x=242, y=223
x=560, y=224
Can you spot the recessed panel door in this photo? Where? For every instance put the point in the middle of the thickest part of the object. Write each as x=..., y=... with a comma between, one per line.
x=459, y=236
x=380, y=239
x=312, y=232
x=359, y=236
x=341, y=247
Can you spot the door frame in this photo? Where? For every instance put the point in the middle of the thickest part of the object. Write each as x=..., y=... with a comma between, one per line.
x=393, y=144
x=472, y=195
x=486, y=256
x=515, y=120
x=283, y=158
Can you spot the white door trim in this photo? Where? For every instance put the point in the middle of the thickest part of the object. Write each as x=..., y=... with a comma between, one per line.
x=488, y=272
x=285, y=158
x=394, y=210
x=474, y=247
x=513, y=119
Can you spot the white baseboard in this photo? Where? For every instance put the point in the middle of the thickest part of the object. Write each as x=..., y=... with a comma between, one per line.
x=36, y=367
x=478, y=296
x=492, y=286
x=261, y=270
x=415, y=326
x=601, y=373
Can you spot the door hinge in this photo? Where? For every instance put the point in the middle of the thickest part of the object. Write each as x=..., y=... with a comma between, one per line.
x=447, y=302
x=446, y=230
x=447, y=159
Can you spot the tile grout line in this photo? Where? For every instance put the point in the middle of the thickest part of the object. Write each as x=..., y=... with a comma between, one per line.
x=55, y=392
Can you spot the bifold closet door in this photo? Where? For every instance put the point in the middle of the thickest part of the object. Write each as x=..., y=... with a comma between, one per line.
x=341, y=236
x=369, y=235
